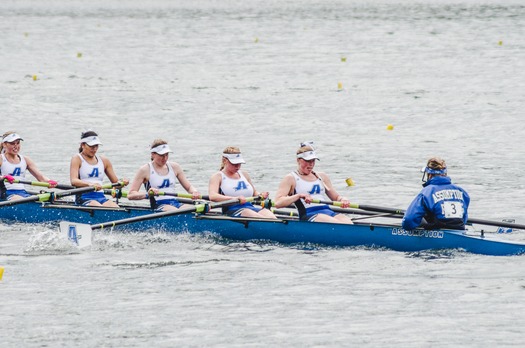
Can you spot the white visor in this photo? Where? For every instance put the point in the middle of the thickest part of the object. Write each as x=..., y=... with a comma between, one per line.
x=91, y=140
x=308, y=155
x=308, y=143
x=161, y=149
x=234, y=158
x=11, y=137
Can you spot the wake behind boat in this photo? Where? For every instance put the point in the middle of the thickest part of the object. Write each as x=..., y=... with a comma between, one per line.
x=286, y=230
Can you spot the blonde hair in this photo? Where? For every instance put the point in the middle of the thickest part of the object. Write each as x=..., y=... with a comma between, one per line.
x=156, y=143
x=304, y=148
x=3, y=136
x=229, y=149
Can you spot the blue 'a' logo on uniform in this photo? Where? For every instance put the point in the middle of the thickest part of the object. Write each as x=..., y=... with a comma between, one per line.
x=94, y=173
x=241, y=186
x=165, y=183
x=316, y=189
x=17, y=171
x=72, y=234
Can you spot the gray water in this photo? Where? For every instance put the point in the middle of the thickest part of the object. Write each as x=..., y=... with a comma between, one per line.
x=264, y=76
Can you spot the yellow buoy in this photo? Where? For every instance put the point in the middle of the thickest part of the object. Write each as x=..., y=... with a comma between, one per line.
x=390, y=127
x=349, y=182
x=343, y=59
x=500, y=43
x=1, y=272
x=26, y=34
x=35, y=77
x=339, y=85
x=79, y=55
x=256, y=40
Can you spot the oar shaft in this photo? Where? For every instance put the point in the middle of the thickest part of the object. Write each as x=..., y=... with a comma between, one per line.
x=22, y=200
x=184, y=195
x=336, y=209
x=180, y=195
x=496, y=223
x=195, y=208
x=362, y=206
x=199, y=208
x=401, y=212
x=71, y=192
x=44, y=197
x=363, y=212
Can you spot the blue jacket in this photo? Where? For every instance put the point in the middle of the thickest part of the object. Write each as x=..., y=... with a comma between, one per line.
x=441, y=204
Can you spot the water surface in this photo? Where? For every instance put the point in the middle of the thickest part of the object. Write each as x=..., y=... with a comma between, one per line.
x=264, y=76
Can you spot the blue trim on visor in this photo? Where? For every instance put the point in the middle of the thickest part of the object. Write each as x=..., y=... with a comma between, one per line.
x=435, y=171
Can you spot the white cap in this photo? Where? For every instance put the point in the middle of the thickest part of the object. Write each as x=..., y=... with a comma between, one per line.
x=234, y=158
x=11, y=137
x=308, y=155
x=161, y=149
x=91, y=140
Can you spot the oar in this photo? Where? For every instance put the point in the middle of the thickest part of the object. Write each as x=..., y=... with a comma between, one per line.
x=81, y=234
x=367, y=215
x=283, y=212
x=183, y=195
x=496, y=223
x=354, y=208
x=361, y=206
x=44, y=197
x=43, y=184
x=402, y=212
x=373, y=216
x=180, y=195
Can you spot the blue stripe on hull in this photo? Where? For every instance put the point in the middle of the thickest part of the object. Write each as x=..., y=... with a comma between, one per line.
x=290, y=232
x=37, y=213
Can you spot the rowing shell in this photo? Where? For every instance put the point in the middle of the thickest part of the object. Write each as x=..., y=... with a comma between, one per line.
x=281, y=231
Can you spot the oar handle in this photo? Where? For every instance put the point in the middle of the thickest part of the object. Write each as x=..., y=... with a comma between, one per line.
x=284, y=212
x=113, y=192
x=43, y=184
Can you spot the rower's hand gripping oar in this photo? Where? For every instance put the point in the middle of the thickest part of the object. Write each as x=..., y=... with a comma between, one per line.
x=81, y=234
x=44, y=184
x=50, y=196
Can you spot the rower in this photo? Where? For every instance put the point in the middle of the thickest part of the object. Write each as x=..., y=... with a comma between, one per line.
x=305, y=185
x=159, y=178
x=89, y=169
x=13, y=167
x=232, y=182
